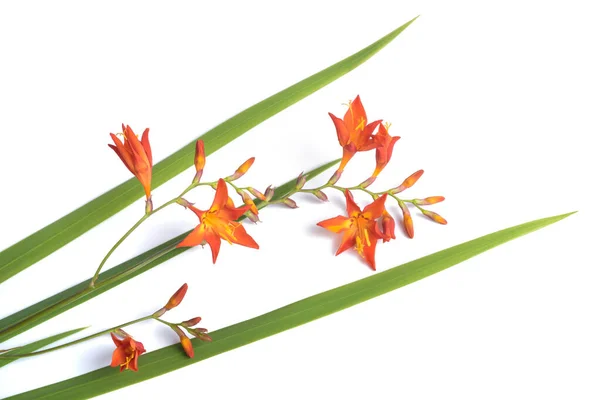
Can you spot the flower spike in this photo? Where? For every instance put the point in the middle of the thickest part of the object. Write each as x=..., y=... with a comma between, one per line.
x=136, y=155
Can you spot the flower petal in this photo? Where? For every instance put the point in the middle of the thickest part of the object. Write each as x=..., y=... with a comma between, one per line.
x=118, y=357
x=241, y=237
x=341, y=129
x=146, y=145
x=336, y=224
x=351, y=208
x=375, y=209
x=348, y=241
x=220, y=196
x=196, y=237
x=214, y=241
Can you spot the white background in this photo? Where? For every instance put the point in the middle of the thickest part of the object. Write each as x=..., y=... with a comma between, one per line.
x=498, y=102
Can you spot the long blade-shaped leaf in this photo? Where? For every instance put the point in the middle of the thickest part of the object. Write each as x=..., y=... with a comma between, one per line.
x=171, y=358
x=51, y=238
x=65, y=300
x=31, y=347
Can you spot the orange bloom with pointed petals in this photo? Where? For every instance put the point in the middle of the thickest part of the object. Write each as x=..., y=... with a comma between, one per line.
x=219, y=222
x=127, y=352
x=359, y=229
x=383, y=154
x=136, y=155
x=354, y=134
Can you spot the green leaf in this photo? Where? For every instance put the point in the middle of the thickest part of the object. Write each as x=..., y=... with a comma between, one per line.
x=54, y=236
x=37, y=345
x=67, y=299
x=172, y=357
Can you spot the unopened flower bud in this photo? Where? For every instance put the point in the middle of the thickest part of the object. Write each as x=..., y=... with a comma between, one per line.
x=200, y=333
x=177, y=297
x=320, y=195
x=183, y=202
x=200, y=157
x=408, y=221
x=191, y=322
x=408, y=182
x=257, y=194
x=186, y=343
x=434, y=216
x=429, y=200
x=269, y=192
x=301, y=181
x=241, y=170
x=335, y=177
x=290, y=203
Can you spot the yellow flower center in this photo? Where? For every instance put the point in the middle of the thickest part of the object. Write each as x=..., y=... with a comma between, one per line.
x=362, y=233
x=225, y=229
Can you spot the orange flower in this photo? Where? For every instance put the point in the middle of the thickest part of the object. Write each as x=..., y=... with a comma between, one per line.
x=127, y=352
x=219, y=222
x=389, y=225
x=136, y=155
x=383, y=154
x=354, y=134
x=359, y=229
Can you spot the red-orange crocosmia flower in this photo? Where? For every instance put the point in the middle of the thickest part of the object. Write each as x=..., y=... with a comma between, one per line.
x=219, y=222
x=354, y=134
x=127, y=352
x=136, y=155
x=383, y=154
x=388, y=226
x=359, y=229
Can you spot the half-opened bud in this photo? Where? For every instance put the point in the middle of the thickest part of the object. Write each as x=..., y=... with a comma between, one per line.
x=408, y=182
x=241, y=170
x=388, y=226
x=408, y=221
x=199, y=158
x=429, y=200
x=434, y=216
x=191, y=322
x=186, y=343
x=177, y=297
